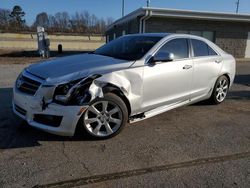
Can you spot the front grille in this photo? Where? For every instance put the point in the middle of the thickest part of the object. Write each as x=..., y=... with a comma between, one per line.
x=20, y=110
x=27, y=85
x=49, y=120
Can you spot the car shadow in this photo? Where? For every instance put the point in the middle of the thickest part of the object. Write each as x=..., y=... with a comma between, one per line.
x=239, y=95
x=16, y=133
x=242, y=79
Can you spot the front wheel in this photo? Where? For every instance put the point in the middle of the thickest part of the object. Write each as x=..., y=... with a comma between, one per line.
x=105, y=117
x=220, y=90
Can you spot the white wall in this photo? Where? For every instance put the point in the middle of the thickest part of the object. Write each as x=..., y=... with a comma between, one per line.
x=247, y=53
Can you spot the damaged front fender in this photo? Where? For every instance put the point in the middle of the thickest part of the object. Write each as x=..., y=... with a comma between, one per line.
x=129, y=82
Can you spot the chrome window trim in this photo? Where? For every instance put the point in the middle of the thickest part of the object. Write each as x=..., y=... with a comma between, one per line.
x=192, y=49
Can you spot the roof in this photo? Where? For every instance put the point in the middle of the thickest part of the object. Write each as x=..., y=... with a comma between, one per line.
x=152, y=34
x=185, y=14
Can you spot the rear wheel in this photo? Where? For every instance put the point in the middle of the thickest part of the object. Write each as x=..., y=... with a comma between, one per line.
x=220, y=90
x=105, y=117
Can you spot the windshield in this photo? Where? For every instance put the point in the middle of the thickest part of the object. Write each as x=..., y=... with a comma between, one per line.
x=128, y=47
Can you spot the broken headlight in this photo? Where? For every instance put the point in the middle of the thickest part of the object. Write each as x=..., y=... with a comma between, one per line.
x=63, y=89
x=63, y=92
x=75, y=92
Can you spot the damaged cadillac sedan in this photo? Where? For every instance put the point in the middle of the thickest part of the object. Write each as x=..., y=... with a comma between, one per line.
x=128, y=79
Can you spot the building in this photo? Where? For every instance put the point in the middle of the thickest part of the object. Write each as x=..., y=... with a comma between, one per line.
x=230, y=31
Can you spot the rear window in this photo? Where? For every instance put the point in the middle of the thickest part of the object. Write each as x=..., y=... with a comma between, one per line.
x=211, y=51
x=201, y=48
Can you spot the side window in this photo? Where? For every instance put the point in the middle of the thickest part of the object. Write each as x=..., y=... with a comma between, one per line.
x=200, y=48
x=179, y=47
x=211, y=51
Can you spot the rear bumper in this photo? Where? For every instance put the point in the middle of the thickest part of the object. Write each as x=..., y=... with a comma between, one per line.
x=26, y=107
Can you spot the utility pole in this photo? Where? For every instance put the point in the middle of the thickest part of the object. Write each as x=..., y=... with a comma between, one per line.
x=148, y=3
x=238, y=4
x=123, y=4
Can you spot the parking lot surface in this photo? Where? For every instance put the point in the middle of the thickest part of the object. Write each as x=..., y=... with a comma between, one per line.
x=200, y=145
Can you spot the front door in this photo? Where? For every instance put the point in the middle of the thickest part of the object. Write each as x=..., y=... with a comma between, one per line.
x=168, y=83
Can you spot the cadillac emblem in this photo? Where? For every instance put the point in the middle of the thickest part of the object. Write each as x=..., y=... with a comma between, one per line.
x=19, y=83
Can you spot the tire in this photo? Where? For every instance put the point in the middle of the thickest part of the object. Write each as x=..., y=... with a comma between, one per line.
x=105, y=117
x=220, y=90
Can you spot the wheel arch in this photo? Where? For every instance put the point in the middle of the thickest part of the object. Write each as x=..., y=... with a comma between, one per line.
x=223, y=74
x=227, y=76
x=110, y=88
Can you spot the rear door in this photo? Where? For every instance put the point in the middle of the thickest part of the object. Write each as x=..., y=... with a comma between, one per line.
x=207, y=65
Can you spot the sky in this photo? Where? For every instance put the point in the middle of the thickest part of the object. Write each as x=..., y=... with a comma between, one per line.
x=112, y=8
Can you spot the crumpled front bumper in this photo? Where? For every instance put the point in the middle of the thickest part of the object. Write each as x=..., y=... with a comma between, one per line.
x=32, y=105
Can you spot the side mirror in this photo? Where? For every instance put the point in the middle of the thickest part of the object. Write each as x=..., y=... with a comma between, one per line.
x=163, y=57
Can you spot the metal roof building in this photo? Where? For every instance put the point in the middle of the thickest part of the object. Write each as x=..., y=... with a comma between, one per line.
x=230, y=31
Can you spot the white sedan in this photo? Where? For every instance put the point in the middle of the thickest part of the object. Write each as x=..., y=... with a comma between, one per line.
x=131, y=78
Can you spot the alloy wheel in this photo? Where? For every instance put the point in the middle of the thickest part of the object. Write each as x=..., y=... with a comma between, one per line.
x=103, y=118
x=221, y=90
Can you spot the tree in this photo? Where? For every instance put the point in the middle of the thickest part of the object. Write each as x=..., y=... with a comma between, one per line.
x=80, y=22
x=5, y=19
x=17, y=14
x=109, y=21
x=52, y=23
x=62, y=21
x=42, y=19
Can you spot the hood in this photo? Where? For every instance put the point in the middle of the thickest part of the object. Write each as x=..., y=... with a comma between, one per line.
x=80, y=65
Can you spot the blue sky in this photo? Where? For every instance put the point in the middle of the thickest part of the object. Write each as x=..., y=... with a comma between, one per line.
x=112, y=8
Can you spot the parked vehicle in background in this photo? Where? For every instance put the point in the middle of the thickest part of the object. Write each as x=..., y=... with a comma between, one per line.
x=131, y=78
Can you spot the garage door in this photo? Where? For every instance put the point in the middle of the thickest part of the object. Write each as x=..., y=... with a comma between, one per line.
x=247, y=54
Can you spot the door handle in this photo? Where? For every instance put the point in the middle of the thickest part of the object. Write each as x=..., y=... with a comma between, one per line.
x=217, y=60
x=187, y=66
